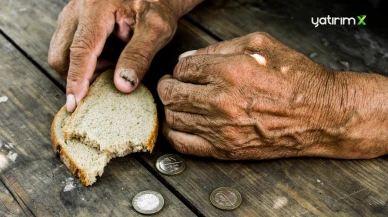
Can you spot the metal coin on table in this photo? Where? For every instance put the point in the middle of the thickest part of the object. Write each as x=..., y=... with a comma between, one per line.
x=226, y=198
x=170, y=164
x=148, y=202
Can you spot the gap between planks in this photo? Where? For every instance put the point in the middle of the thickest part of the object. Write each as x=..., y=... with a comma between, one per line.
x=19, y=200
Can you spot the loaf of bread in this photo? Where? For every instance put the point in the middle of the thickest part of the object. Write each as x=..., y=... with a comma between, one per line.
x=106, y=124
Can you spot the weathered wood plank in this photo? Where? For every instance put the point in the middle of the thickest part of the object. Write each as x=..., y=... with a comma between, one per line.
x=8, y=205
x=30, y=168
x=280, y=187
x=358, y=48
x=31, y=27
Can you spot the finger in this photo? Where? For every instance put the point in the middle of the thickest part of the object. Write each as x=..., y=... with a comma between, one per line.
x=184, y=97
x=188, y=143
x=250, y=44
x=150, y=35
x=187, y=122
x=199, y=69
x=87, y=45
x=59, y=50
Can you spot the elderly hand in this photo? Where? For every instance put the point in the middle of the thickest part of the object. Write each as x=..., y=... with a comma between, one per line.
x=84, y=26
x=255, y=98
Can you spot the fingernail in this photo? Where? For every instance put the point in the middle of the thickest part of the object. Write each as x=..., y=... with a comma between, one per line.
x=70, y=103
x=187, y=53
x=129, y=76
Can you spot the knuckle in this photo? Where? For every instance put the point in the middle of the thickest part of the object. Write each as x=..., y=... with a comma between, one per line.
x=176, y=143
x=161, y=26
x=56, y=63
x=81, y=45
x=61, y=16
x=166, y=92
x=181, y=146
x=179, y=68
x=185, y=65
x=68, y=10
x=76, y=56
x=212, y=48
x=71, y=6
x=225, y=106
x=258, y=39
x=260, y=35
x=73, y=78
x=170, y=118
x=138, y=56
x=233, y=155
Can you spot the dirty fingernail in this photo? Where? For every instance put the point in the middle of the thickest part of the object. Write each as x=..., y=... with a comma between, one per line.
x=70, y=103
x=187, y=53
x=129, y=76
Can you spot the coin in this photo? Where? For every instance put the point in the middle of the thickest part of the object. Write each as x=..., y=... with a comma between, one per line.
x=170, y=164
x=225, y=198
x=148, y=202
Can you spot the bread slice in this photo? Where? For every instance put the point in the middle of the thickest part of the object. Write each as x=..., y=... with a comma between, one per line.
x=114, y=122
x=106, y=124
x=83, y=161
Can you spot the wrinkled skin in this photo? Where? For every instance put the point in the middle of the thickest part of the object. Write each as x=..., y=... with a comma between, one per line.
x=85, y=25
x=255, y=98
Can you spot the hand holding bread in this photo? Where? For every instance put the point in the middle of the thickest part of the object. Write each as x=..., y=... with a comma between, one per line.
x=85, y=25
x=106, y=124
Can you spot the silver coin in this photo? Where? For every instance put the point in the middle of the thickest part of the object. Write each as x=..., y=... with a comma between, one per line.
x=148, y=202
x=225, y=198
x=170, y=164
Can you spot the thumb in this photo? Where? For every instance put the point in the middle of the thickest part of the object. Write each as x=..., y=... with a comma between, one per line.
x=135, y=59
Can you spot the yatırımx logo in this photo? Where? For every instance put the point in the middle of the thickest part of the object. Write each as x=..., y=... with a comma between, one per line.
x=361, y=19
x=338, y=20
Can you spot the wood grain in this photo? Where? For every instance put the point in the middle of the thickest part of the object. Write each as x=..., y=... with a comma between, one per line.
x=357, y=48
x=35, y=174
x=8, y=205
x=288, y=187
x=31, y=26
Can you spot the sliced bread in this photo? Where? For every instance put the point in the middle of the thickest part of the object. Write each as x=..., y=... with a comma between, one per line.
x=83, y=161
x=106, y=124
x=114, y=122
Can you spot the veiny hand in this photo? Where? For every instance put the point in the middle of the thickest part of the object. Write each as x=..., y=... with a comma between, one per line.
x=255, y=98
x=84, y=26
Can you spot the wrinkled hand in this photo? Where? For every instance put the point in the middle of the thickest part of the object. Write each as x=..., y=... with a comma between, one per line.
x=84, y=26
x=255, y=98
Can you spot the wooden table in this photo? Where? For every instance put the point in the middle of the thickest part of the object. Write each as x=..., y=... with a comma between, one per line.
x=33, y=179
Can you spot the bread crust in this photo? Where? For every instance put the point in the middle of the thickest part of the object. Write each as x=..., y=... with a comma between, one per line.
x=64, y=156
x=154, y=134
